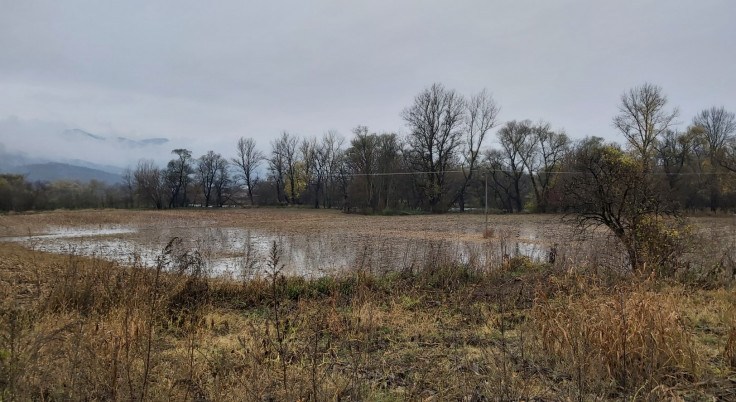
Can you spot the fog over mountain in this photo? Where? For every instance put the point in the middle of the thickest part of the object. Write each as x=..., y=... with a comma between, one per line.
x=53, y=171
x=25, y=142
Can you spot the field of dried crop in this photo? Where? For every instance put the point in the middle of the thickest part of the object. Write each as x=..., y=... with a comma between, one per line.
x=104, y=305
x=290, y=221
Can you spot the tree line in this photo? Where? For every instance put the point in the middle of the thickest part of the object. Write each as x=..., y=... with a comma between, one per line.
x=444, y=162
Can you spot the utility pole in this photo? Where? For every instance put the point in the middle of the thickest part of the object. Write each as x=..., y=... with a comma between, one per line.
x=485, y=233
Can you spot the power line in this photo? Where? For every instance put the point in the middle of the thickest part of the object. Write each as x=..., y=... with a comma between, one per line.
x=566, y=172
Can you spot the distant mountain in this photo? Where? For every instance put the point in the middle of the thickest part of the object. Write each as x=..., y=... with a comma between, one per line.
x=48, y=170
x=117, y=170
x=53, y=171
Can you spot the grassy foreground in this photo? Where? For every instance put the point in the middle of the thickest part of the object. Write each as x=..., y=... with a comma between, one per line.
x=74, y=328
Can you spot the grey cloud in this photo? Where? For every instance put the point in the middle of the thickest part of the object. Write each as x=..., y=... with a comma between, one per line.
x=204, y=74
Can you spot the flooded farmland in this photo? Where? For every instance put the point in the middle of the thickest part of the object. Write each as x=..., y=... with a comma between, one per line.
x=313, y=243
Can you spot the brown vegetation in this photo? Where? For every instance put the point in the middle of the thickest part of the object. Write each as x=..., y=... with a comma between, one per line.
x=82, y=328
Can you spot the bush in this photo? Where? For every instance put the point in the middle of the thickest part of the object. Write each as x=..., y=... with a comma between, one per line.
x=662, y=243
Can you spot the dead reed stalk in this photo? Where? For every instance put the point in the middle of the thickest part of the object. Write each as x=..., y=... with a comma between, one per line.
x=629, y=339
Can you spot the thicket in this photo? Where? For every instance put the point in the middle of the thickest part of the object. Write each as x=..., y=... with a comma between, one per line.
x=17, y=194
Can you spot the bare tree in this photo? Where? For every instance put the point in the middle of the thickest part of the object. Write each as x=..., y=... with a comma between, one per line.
x=481, y=116
x=517, y=144
x=211, y=172
x=177, y=174
x=388, y=161
x=284, y=163
x=362, y=159
x=277, y=169
x=503, y=182
x=541, y=155
x=129, y=186
x=247, y=161
x=222, y=184
x=435, y=120
x=332, y=144
x=343, y=178
x=642, y=119
x=717, y=127
x=372, y=157
x=319, y=163
x=149, y=182
x=674, y=151
x=312, y=165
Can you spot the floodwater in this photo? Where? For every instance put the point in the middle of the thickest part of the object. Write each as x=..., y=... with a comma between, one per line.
x=238, y=242
x=245, y=252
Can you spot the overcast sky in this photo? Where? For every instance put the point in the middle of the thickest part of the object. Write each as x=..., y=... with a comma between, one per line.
x=206, y=73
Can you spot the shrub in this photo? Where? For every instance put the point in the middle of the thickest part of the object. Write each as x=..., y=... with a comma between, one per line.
x=661, y=243
x=519, y=263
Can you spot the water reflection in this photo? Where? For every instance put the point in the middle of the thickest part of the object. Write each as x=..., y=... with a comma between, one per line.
x=242, y=252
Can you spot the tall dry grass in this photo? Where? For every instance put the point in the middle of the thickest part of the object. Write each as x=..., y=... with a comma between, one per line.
x=627, y=341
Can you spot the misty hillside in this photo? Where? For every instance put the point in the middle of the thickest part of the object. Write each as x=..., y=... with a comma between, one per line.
x=116, y=170
x=34, y=141
x=53, y=171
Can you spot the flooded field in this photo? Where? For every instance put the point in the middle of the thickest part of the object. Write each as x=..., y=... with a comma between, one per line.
x=318, y=242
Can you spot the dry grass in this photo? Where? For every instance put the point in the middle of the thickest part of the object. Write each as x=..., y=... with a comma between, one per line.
x=730, y=350
x=628, y=339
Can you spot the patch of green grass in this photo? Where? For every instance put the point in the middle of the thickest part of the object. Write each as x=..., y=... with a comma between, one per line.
x=410, y=302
